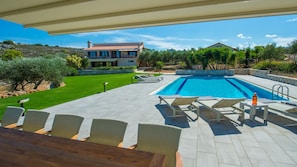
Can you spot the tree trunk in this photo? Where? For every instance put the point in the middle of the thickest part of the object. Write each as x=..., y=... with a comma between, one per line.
x=37, y=83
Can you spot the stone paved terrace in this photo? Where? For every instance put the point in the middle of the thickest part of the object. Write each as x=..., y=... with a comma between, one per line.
x=203, y=142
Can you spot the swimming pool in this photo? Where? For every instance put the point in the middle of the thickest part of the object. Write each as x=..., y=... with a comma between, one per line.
x=220, y=87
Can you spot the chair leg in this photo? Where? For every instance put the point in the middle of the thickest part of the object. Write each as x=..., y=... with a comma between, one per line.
x=218, y=117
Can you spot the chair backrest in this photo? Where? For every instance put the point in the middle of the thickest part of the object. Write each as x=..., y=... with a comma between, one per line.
x=34, y=120
x=227, y=103
x=106, y=131
x=159, y=139
x=11, y=115
x=66, y=125
x=183, y=101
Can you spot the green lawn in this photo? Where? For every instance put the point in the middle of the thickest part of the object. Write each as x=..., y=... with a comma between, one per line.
x=76, y=87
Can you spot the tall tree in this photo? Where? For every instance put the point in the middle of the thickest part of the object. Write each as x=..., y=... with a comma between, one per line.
x=247, y=57
x=293, y=50
x=259, y=51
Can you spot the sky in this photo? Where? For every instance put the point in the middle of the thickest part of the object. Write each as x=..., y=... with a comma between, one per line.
x=237, y=33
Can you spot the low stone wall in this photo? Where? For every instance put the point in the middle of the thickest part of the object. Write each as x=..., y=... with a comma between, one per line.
x=259, y=73
x=241, y=71
x=96, y=72
x=205, y=72
x=244, y=71
x=266, y=74
x=282, y=79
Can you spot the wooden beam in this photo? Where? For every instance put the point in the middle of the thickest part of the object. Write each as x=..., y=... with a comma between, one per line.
x=204, y=18
x=42, y=7
x=131, y=12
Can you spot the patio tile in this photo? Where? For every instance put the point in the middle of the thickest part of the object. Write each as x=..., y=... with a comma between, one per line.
x=276, y=154
x=206, y=144
x=245, y=162
x=262, y=163
x=257, y=153
x=227, y=154
x=262, y=136
x=285, y=142
x=293, y=155
x=207, y=159
x=188, y=148
x=203, y=142
x=239, y=148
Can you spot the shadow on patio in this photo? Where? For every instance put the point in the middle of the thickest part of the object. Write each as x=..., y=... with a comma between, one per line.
x=281, y=121
x=224, y=127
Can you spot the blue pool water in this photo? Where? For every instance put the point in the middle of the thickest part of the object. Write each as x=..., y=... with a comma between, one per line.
x=214, y=86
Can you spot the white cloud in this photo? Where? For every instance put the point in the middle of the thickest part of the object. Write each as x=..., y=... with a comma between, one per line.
x=246, y=45
x=118, y=40
x=241, y=46
x=291, y=20
x=271, y=36
x=163, y=42
x=243, y=37
x=283, y=41
x=150, y=41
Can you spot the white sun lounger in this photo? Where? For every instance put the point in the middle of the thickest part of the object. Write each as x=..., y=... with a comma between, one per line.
x=144, y=78
x=223, y=107
x=286, y=109
x=180, y=104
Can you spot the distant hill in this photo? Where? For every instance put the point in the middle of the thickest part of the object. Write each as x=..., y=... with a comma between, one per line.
x=40, y=50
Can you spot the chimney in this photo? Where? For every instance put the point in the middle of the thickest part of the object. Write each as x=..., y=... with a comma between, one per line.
x=89, y=44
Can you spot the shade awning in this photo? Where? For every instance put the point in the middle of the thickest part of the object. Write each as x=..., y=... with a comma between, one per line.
x=74, y=16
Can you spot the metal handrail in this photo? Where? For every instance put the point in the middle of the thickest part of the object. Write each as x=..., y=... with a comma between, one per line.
x=280, y=91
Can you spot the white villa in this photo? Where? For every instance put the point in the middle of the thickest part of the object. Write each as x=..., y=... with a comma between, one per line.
x=113, y=54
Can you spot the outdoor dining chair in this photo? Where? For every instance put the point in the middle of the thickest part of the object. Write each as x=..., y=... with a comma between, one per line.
x=160, y=139
x=34, y=121
x=66, y=126
x=107, y=131
x=11, y=116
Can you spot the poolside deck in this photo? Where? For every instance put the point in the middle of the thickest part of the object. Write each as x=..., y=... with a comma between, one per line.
x=203, y=142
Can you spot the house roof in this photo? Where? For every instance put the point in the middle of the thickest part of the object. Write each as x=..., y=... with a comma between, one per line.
x=220, y=45
x=73, y=16
x=117, y=46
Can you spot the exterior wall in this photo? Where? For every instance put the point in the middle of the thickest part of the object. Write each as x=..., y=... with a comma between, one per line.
x=127, y=62
x=96, y=72
x=114, y=54
x=205, y=72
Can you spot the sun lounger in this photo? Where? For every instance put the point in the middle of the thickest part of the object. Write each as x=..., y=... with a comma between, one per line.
x=144, y=78
x=223, y=107
x=180, y=104
x=286, y=108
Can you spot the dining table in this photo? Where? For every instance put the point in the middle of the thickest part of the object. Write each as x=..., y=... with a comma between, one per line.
x=26, y=149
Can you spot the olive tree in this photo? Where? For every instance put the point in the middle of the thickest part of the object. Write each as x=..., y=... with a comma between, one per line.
x=21, y=72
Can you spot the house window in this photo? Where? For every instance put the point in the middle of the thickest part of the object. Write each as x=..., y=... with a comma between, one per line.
x=92, y=54
x=132, y=53
x=104, y=54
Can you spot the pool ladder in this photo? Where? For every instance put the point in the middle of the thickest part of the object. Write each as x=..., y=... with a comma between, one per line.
x=279, y=90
